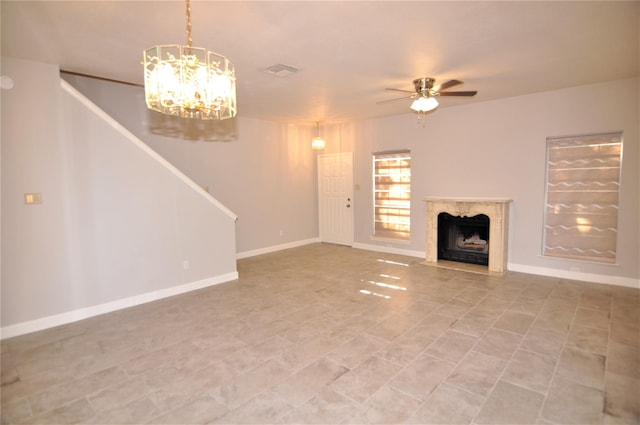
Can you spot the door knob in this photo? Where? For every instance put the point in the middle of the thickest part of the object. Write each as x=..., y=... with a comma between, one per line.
x=348, y=205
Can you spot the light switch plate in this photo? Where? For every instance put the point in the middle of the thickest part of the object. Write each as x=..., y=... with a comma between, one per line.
x=32, y=198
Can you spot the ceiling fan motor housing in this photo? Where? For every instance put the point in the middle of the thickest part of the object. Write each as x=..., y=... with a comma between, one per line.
x=424, y=85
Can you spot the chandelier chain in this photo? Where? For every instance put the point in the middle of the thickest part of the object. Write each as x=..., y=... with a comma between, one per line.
x=189, y=40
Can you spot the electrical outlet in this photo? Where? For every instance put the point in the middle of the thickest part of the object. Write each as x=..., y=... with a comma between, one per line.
x=185, y=265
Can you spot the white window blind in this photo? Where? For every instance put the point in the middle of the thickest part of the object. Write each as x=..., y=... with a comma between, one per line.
x=392, y=195
x=583, y=184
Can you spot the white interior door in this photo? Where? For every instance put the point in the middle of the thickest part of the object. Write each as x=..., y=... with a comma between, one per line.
x=335, y=198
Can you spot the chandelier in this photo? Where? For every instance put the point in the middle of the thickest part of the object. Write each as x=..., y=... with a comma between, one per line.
x=317, y=143
x=189, y=82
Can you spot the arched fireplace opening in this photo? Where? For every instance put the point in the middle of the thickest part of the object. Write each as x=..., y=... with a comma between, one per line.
x=463, y=239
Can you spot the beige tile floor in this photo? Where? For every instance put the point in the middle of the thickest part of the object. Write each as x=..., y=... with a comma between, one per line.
x=329, y=334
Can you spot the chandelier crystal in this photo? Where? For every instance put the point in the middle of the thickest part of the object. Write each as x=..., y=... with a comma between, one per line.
x=189, y=82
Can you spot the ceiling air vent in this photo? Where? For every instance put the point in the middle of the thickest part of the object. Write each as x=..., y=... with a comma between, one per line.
x=280, y=70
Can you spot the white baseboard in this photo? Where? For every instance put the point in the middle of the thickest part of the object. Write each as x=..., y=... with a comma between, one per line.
x=85, y=313
x=269, y=249
x=543, y=271
x=567, y=274
x=366, y=247
x=389, y=250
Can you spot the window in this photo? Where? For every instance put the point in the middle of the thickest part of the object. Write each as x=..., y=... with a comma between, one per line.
x=392, y=195
x=581, y=208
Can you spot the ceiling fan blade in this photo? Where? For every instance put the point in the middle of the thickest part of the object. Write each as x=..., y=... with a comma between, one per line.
x=448, y=84
x=397, y=98
x=458, y=93
x=402, y=91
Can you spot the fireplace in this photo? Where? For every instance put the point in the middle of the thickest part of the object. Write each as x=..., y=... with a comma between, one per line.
x=464, y=218
x=463, y=239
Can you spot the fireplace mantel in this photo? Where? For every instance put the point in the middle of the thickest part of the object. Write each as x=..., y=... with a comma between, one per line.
x=496, y=209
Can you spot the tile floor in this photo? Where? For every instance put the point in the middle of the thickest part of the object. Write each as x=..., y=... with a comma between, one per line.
x=329, y=334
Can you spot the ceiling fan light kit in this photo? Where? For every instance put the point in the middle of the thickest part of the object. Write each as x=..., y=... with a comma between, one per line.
x=424, y=104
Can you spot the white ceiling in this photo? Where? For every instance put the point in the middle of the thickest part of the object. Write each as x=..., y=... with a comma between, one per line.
x=347, y=52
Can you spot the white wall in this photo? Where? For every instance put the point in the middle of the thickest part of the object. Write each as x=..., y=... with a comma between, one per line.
x=264, y=171
x=484, y=149
x=497, y=150
x=116, y=224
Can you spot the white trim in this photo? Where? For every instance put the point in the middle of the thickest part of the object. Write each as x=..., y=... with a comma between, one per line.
x=567, y=274
x=140, y=144
x=389, y=240
x=269, y=249
x=366, y=247
x=389, y=250
x=542, y=271
x=96, y=310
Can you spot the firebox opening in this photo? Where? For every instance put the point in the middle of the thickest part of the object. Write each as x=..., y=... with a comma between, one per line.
x=463, y=239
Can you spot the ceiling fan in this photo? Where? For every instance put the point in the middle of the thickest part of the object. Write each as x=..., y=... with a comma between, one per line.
x=425, y=93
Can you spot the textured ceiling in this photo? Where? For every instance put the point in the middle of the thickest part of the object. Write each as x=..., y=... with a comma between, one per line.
x=347, y=52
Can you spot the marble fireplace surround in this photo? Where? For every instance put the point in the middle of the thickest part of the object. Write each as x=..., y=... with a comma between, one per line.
x=496, y=209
